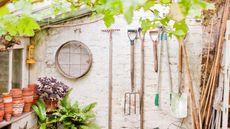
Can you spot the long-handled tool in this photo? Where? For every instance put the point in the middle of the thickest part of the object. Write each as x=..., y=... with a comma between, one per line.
x=110, y=97
x=142, y=38
x=132, y=97
x=157, y=96
x=179, y=100
x=154, y=35
x=165, y=42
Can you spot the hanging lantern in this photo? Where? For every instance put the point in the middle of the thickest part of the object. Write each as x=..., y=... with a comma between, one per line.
x=30, y=55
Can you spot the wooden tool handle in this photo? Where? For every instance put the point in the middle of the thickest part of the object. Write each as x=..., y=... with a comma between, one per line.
x=132, y=65
x=194, y=108
x=155, y=56
x=180, y=67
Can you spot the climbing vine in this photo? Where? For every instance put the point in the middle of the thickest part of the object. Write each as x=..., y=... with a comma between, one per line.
x=172, y=17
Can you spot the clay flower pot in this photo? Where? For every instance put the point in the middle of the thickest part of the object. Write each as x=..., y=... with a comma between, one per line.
x=28, y=99
x=16, y=92
x=18, y=105
x=27, y=92
x=33, y=87
x=1, y=111
x=36, y=97
x=51, y=105
x=8, y=116
x=8, y=108
x=7, y=98
x=27, y=107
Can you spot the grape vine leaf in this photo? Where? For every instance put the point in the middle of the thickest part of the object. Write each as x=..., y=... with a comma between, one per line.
x=4, y=10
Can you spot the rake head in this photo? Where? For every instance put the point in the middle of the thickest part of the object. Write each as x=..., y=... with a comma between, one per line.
x=132, y=103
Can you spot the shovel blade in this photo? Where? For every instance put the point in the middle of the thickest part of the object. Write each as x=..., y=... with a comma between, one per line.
x=179, y=105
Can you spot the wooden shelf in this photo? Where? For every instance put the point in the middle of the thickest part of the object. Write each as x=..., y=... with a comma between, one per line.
x=14, y=119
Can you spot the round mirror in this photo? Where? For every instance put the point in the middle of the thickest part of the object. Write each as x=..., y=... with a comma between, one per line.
x=73, y=59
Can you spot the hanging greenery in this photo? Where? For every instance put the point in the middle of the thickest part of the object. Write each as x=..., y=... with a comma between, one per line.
x=173, y=18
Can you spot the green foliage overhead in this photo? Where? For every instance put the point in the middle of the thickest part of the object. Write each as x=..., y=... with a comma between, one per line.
x=12, y=25
x=172, y=17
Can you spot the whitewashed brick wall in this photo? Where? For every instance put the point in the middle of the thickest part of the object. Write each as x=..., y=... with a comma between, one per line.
x=93, y=87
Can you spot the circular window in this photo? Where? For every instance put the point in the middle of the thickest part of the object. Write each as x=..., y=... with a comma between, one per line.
x=73, y=59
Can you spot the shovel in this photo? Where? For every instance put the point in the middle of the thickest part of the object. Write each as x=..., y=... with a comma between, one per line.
x=159, y=72
x=179, y=100
x=154, y=35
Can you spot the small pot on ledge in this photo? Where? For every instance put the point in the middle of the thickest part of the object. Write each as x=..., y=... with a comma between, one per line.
x=28, y=99
x=1, y=109
x=18, y=104
x=8, y=106
x=16, y=92
x=51, y=105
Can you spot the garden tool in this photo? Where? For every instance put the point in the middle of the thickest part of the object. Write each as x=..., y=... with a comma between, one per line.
x=132, y=97
x=110, y=96
x=142, y=38
x=179, y=100
x=159, y=72
x=165, y=42
x=154, y=35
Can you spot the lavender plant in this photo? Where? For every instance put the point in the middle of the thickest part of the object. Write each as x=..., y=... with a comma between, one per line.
x=51, y=89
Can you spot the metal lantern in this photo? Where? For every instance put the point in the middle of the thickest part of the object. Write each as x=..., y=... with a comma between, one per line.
x=30, y=55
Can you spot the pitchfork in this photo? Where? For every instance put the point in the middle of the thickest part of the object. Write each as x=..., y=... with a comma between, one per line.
x=132, y=97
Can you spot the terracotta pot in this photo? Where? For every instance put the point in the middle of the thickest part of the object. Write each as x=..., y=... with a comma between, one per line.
x=1, y=112
x=36, y=97
x=8, y=116
x=7, y=98
x=8, y=107
x=16, y=92
x=27, y=107
x=18, y=105
x=1, y=106
x=27, y=92
x=51, y=105
x=33, y=87
x=28, y=99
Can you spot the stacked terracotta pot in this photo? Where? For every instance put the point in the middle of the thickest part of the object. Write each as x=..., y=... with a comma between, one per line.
x=18, y=102
x=33, y=87
x=8, y=105
x=1, y=109
x=28, y=99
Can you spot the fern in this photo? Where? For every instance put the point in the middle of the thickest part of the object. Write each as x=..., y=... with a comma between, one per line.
x=73, y=116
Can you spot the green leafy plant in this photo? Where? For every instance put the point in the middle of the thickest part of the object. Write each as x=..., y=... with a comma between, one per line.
x=72, y=116
x=40, y=110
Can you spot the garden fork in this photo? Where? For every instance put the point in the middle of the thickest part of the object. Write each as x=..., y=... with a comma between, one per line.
x=132, y=97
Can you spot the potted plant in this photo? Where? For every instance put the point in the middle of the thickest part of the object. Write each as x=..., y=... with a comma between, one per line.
x=51, y=91
x=40, y=110
x=72, y=116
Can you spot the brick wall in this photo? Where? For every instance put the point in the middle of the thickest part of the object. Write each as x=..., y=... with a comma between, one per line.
x=93, y=87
